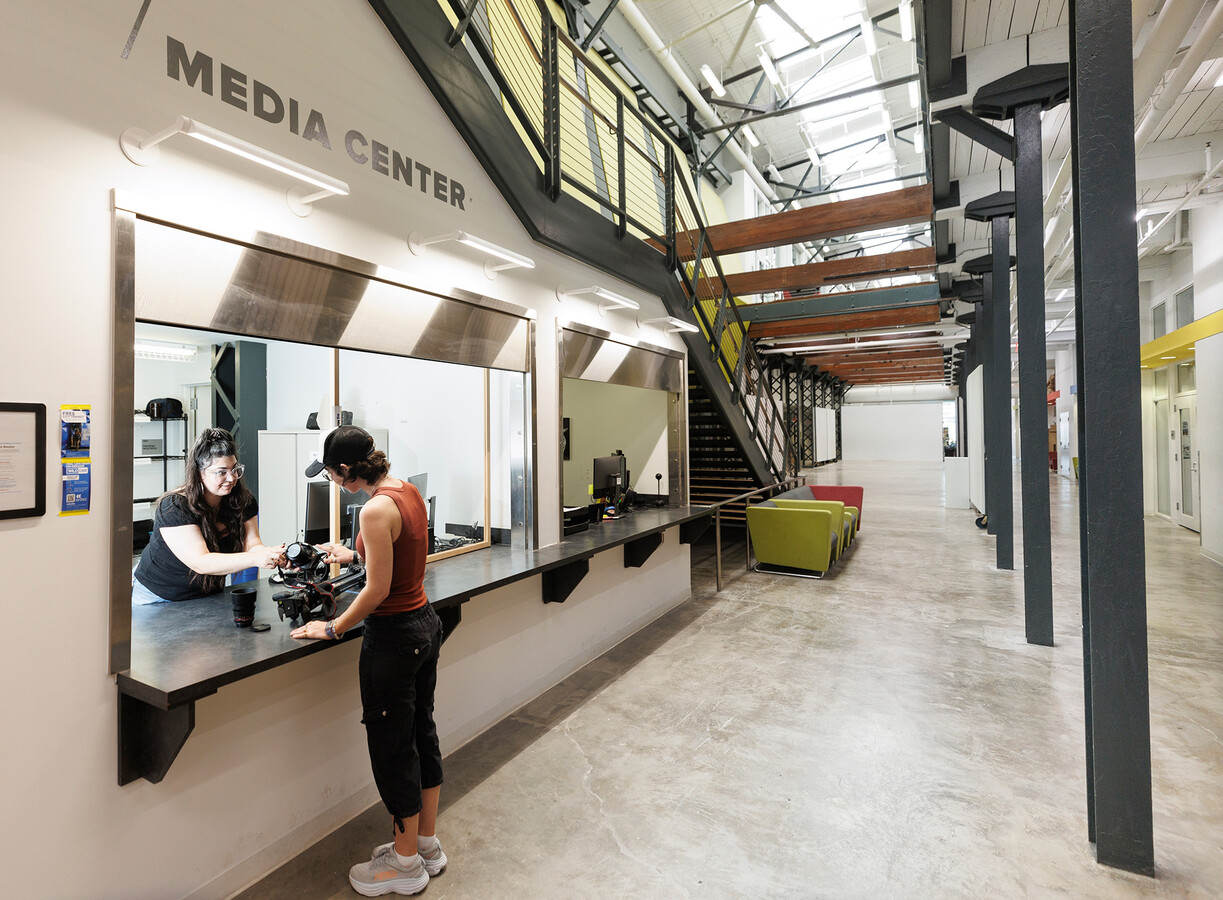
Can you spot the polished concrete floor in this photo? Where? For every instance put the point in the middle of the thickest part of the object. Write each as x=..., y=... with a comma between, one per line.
x=884, y=732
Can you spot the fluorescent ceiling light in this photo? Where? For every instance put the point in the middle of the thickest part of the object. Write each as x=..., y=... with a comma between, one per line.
x=906, y=20
x=770, y=70
x=512, y=260
x=919, y=138
x=673, y=324
x=712, y=80
x=914, y=95
x=142, y=148
x=1064, y=292
x=610, y=298
x=813, y=155
x=868, y=36
x=750, y=135
x=162, y=350
x=1142, y=213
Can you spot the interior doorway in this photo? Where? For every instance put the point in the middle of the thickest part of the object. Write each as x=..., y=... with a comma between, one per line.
x=1187, y=485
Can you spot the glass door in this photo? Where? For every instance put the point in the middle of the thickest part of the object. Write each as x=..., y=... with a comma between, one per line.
x=1185, y=465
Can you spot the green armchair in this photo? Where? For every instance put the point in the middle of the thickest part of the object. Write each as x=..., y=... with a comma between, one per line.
x=793, y=537
x=843, y=518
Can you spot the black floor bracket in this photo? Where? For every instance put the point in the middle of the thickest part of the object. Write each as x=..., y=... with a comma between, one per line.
x=638, y=551
x=560, y=582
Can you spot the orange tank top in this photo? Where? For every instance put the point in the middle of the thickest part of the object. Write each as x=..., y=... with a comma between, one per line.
x=408, y=552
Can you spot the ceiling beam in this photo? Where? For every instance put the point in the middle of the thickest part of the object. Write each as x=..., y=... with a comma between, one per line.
x=908, y=206
x=836, y=271
x=926, y=314
x=851, y=356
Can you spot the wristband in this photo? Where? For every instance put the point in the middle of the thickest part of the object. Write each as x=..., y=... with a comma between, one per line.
x=329, y=630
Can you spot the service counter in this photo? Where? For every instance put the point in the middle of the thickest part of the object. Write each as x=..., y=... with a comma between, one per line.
x=184, y=651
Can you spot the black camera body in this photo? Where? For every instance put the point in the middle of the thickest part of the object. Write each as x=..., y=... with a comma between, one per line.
x=313, y=595
x=307, y=564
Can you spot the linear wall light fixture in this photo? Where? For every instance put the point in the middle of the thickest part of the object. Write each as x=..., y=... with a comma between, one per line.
x=509, y=259
x=607, y=299
x=673, y=324
x=142, y=148
x=162, y=350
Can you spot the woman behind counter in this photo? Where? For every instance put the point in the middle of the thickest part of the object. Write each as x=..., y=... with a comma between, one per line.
x=398, y=664
x=204, y=529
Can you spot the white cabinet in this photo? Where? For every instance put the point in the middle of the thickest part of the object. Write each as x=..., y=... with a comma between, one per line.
x=283, y=457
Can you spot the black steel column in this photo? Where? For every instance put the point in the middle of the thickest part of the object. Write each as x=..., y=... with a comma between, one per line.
x=1110, y=452
x=1021, y=96
x=988, y=413
x=1033, y=391
x=1002, y=518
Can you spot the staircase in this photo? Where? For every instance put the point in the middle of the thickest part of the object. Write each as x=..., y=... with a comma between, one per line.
x=717, y=468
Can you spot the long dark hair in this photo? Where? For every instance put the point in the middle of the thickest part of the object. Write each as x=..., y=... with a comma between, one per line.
x=222, y=525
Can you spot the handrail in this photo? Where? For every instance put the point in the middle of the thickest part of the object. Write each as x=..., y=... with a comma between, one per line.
x=717, y=523
x=658, y=199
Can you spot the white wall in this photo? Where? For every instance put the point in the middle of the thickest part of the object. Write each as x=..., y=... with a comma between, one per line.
x=1207, y=224
x=1067, y=404
x=608, y=417
x=974, y=410
x=230, y=808
x=897, y=431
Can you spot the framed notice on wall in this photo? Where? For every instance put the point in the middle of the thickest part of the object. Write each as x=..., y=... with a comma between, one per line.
x=23, y=460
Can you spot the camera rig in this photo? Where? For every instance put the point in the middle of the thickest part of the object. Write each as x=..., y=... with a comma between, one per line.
x=313, y=593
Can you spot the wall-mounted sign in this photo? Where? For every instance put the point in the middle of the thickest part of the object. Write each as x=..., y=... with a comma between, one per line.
x=23, y=460
x=276, y=108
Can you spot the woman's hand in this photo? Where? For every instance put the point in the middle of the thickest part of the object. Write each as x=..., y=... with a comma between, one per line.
x=337, y=553
x=313, y=629
x=270, y=557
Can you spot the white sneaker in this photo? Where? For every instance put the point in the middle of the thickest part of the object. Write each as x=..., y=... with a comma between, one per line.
x=384, y=875
x=434, y=859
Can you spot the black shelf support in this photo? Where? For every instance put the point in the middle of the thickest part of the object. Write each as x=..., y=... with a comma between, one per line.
x=150, y=738
x=560, y=582
x=690, y=532
x=638, y=551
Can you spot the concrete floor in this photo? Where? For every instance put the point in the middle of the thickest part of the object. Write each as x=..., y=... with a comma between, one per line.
x=885, y=732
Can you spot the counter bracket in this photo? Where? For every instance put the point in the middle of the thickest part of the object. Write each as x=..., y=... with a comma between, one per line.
x=451, y=616
x=560, y=582
x=150, y=737
x=638, y=551
x=690, y=532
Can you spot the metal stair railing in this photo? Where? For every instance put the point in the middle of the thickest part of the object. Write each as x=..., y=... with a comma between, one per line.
x=590, y=140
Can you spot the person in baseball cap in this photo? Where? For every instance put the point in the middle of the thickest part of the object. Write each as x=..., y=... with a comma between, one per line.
x=343, y=446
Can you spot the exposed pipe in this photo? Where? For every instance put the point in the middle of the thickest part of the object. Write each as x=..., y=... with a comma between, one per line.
x=1162, y=104
x=656, y=46
x=1171, y=26
x=1193, y=192
x=1142, y=12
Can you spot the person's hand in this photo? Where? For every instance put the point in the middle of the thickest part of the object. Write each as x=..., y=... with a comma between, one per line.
x=271, y=557
x=337, y=553
x=314, y=629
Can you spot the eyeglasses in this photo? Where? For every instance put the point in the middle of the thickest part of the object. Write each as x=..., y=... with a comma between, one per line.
x=221, y=474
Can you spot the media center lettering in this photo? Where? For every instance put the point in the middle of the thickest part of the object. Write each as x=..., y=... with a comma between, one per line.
x=264, y=102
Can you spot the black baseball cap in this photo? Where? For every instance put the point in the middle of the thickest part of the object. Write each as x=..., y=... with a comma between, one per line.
x=343, y=446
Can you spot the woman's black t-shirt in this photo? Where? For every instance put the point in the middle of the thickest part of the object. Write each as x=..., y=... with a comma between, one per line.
x=159, y=569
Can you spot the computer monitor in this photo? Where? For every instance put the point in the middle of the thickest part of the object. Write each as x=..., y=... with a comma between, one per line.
x=317, y=528
x=610, y=478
